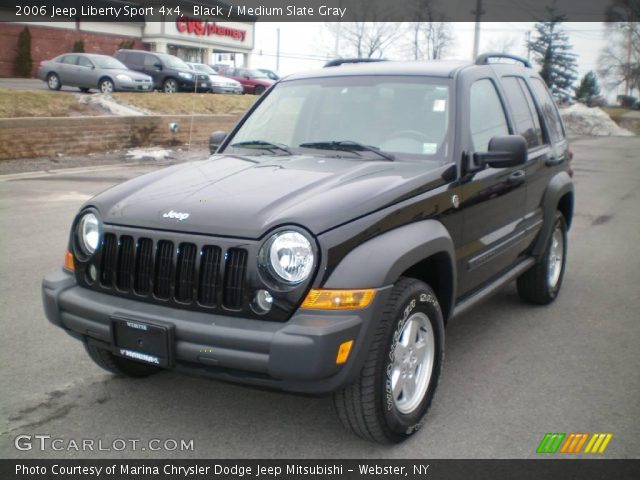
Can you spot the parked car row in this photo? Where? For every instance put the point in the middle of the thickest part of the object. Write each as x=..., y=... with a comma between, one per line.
x=142, y=71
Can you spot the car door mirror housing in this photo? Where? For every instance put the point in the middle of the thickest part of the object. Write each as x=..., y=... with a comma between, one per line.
x=504, y=151
x=157, y=66
x=215, y=140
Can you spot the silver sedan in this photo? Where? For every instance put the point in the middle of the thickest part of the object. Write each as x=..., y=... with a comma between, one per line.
x=88, y=70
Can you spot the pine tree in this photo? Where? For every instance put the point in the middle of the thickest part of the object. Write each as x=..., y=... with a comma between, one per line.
x=552, y=51
x=78, y=46
x=588, y=88
x=24, y=62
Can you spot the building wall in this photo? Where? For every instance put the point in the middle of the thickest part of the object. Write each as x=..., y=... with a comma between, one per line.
x=48, y=42
x=82, y=135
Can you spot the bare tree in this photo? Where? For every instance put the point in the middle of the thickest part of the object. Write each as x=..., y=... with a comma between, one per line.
x=502, y=44
x=432, y=36
x=619, y=62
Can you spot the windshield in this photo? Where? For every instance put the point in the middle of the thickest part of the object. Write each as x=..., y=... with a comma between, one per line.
x=200, y=67
x=109, y=63
x=174, y=62
x=403, y=115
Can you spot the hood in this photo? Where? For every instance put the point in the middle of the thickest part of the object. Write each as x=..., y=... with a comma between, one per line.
x=133, y=74
x=247, y=196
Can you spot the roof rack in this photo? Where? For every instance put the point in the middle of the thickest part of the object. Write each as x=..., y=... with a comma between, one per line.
x=339, y=61
x=483, y=59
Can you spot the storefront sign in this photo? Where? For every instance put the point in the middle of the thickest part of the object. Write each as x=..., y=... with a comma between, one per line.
x=204, y=29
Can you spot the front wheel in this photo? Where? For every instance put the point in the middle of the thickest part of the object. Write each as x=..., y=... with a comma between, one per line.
x=389, y=400
x=259, y=90
x=541, y=283
x=170, y=86
x=106, y=86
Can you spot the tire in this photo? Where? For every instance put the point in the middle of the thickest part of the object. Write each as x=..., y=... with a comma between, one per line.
x=170, y=85
x=106, y=86
x=84, y=89
x=369, y=407
x=118, y=365
x=541, y=284
x=259, y=90
x=53, y=81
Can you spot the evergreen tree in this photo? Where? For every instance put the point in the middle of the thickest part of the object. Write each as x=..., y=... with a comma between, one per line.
x=24, y=62
x=588, y=88
x=552, y=51
x=78, y=46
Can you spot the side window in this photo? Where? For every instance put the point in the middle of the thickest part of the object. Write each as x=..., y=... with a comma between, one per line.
x=135, y=58
x=70, y=59
x=549, y=110
x=84, y=62
x=525, y=115
x=487, y=118
x=150, y=61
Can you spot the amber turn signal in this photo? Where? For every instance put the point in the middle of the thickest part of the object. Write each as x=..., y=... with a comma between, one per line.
x=320, y=299
x=343, y=352
x=68, y=261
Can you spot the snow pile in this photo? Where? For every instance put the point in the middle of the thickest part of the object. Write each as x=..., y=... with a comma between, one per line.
x=582, y=120
x=153, y=153
x=106, y=102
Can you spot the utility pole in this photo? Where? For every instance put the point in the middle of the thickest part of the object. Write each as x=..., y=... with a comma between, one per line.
x=278, y=50
x=478, y=12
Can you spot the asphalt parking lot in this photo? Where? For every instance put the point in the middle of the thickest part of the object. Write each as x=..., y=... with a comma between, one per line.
x=512, y=372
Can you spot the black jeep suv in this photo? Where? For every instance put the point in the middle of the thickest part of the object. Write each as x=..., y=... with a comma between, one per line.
x=349, y=215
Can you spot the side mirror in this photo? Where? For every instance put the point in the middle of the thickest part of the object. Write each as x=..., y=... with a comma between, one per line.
x=158, y=66
x=504, y=151
x=215, y=140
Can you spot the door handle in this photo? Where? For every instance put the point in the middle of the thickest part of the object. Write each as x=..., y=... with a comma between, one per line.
x=517, y=175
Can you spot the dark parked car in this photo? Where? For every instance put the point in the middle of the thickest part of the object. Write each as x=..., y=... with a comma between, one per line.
x=342, y=223
x=217, y=82
x=169, y=73
x=88, y=70
x=253, y=81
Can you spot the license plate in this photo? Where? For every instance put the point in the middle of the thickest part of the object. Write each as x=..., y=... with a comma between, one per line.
x=143, y=341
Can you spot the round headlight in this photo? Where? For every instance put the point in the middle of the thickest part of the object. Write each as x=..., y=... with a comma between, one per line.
x=88, y=231
x=289, y=256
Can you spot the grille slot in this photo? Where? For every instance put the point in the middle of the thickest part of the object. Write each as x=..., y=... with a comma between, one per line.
x=208, y=284
x=235, y=272
x=109, y=258
x=164, y=269
x=186, y=272
x=124, y=272
x=144, y=264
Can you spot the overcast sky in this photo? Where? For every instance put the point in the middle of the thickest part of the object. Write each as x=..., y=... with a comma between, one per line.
x=307, y=45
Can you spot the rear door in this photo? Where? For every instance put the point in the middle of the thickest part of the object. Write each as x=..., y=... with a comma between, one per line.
x=492, y=198
x=527, y=122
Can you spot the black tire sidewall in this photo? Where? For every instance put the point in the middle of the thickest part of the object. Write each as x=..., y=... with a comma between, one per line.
x=259, y=90
x=58, y=84
x=417, y=298
x=553, y=291
x=167, y=82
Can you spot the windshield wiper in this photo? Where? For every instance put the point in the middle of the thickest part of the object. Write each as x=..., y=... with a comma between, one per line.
x=262, y=145
x=348, y=146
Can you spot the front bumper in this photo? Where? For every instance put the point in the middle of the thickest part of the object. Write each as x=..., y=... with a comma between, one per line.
x=297, y=355
x=133, y=86
x=226, y=89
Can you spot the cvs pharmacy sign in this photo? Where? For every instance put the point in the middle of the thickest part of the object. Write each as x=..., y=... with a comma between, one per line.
x=203, y=28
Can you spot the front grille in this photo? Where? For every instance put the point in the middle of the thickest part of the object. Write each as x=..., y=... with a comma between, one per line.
x=182, y=272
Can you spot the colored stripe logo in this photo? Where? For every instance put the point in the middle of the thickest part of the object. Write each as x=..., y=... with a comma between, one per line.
x=573, y=443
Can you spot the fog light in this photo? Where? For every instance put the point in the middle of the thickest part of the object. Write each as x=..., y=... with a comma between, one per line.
x=93, y=272
x=262, y=302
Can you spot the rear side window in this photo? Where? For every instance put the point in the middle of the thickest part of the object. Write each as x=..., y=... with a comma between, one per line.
x=487, y=118
x=84, y=62
x=549, y=110
x=69, y=59
x=524, y=113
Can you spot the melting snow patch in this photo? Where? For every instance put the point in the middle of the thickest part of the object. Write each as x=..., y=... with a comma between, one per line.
x=106, y=102
x=582, y=120
x=153, y=153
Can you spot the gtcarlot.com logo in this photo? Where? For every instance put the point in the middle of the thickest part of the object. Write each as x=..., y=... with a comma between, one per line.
x=574, y=443
x=58, y=444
